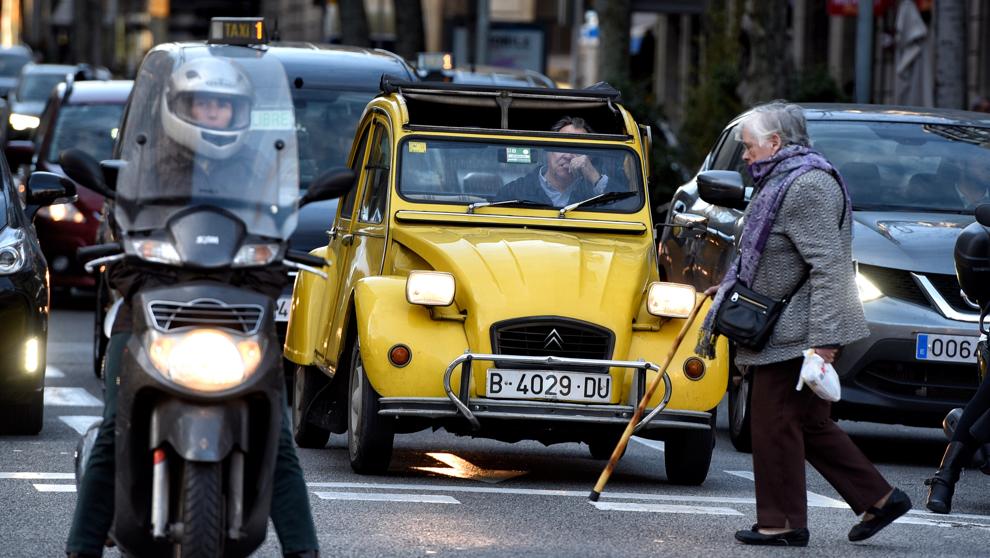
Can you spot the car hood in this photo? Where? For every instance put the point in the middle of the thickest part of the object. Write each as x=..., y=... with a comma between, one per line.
x=508, y=273
x=921, y=242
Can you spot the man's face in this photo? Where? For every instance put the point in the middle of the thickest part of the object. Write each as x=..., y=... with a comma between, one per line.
x=212, y=112
x=559, y=163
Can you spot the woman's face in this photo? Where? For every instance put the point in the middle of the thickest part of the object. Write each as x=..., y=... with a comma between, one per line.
x=753, y=151
x=212, y=112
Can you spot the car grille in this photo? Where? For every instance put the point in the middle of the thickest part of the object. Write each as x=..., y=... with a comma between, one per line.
x=948, y=287
x=242, y=318
x=895, y=283
x=922, y=381
x=551, y=336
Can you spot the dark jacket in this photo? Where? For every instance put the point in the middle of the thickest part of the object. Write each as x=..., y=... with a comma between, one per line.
x=528, y=188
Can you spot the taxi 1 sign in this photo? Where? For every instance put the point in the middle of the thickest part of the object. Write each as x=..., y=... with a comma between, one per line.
x=238, y=31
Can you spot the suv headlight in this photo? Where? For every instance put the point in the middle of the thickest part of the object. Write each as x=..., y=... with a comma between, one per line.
x=670, y=300
x=12, y=255
x=430, y=288
x=867, y=290
x=204, y=359
x=21, y=122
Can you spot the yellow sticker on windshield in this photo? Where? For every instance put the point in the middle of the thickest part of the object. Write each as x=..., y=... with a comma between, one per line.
x=417, y=147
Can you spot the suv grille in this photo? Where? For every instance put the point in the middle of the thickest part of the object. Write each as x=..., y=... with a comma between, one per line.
x=551, y=336
x=948, y=287
x=921, y=381
x=242, y=318
x=895, y=283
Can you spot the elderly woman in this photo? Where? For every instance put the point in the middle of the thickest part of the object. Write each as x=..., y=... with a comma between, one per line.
x=797, y=242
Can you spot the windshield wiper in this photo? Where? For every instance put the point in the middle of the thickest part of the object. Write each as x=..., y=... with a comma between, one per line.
x=595, y=200
x=524, y=203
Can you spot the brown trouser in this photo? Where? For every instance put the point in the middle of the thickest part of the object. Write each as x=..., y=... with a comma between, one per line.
x=790, y=426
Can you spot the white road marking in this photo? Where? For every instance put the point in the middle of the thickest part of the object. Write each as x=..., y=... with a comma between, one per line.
x=379, y=497
x=70, y=397
x=38, y=476
x=460, y=468
x=814, y=500
x=55, y=487
x=654, y=444
x=52, y=372
x=663, y=508
x=80, y=423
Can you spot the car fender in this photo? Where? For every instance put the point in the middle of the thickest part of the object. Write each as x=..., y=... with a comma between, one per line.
x=306, y=313
x=384, y=319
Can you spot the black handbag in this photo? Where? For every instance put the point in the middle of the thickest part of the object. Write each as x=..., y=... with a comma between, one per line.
x=747, y=318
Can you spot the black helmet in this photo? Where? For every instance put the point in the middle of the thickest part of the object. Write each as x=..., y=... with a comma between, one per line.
x=972, y=255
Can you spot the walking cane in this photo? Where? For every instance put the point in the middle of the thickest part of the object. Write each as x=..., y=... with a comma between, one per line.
x=620, y=448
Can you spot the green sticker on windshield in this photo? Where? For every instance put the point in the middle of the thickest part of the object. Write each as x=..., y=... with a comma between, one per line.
x=272, y=120
x=522, y=155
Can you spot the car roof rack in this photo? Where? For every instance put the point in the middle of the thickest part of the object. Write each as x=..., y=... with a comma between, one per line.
x=436, y=106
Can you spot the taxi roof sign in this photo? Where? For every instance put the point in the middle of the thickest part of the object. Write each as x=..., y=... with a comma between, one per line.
x=238, y=31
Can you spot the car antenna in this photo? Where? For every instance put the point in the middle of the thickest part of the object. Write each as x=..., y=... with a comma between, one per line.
x=276, y=35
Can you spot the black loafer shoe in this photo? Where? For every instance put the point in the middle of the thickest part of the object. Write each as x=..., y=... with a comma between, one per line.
x=897, y=505
x=794, y=537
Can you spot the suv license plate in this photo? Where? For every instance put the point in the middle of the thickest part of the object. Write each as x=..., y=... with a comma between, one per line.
x=282, y=308
x=550, y=385
x=946, y=348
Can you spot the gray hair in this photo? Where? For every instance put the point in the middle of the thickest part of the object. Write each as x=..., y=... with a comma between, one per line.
x=776, y=117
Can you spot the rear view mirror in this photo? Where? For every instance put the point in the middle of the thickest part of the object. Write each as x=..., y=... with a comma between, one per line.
x=721, y=187
x=983, y=214
x=329, y=185
x=85, y=170
x=19, y=153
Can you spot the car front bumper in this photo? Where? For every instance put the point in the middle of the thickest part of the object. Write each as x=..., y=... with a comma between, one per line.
x=883, y=381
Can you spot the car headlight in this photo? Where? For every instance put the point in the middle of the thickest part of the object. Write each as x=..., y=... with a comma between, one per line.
x=430, y=288
x=205, y=359
x=867, y=290
x=670, y=300
x=255, y=254
x=21, y=122
x=62, y=212
x=12, y=256
x=158, y=251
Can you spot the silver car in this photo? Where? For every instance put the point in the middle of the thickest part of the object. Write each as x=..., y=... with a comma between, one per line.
x=914, y=176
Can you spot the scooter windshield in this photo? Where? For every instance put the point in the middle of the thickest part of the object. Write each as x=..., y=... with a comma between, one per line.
x=209, y=127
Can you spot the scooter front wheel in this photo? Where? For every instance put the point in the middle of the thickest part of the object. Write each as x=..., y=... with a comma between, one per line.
x=201, y=505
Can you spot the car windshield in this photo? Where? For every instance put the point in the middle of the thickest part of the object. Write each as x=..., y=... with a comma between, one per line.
x=908, y=166
x=91, y=128
x=36, y=87
x=326, y=120
x=11, y=64
x=535, y=174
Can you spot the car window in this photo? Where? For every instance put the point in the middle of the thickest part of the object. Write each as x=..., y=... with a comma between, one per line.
x=326, y=120
x=11, y=64
x=376, y=177
x=908, y=166
x=729, y=156
x=347, y=208
x=91, y=128
x=36, y=86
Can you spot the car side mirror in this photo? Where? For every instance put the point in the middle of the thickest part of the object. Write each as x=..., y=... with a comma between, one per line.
x=983, y=214
x=47, y=188
x=329, y=185
x=85, y=170
x=111, y=169
x=19, y=153
x=722, y=187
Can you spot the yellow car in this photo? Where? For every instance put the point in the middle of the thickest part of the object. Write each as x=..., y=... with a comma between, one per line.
x=496, y=278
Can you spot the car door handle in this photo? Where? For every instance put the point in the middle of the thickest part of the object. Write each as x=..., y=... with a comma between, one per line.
x=347, y=239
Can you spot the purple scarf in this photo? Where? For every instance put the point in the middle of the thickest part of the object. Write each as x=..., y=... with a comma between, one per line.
x=772, y=177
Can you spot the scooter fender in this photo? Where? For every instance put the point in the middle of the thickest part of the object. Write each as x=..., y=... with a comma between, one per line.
x=198, y=432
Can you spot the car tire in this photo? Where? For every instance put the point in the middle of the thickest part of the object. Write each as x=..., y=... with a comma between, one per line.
x=687, y=455
x=306, y=386
x=740, y=397
x=602, y=447
x=24, y=419
x=369, y=435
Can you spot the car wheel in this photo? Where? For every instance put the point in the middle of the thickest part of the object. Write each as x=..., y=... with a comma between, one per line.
x=369, y=435
x=603, y=446
x=24, y=419
x=688, y=455
x=306, y=386
x=739, y=412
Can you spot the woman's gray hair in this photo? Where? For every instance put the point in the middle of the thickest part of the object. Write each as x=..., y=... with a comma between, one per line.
x=777, y=117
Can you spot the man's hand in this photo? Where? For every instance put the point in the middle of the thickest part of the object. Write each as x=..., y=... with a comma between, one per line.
x=828, y=355
x=581, y=164
x=711, y=291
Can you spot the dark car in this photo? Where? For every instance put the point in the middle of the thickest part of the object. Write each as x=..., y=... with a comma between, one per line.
x=84, y=115
x=914, y=176
x=24, y=301
x=12, y=59
x=27, y=101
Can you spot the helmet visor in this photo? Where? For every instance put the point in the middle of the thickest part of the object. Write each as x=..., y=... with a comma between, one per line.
x=212, y=111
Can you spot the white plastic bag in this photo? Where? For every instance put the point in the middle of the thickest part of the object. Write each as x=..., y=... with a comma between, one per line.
x=820, y=376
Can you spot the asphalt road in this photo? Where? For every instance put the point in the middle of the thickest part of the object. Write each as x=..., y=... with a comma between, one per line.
x=443, y=495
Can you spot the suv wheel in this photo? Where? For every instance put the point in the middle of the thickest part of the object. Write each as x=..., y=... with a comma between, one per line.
x=739, y=411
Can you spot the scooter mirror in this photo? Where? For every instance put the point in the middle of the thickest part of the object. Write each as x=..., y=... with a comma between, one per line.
x=328, y=186
x=983, y=214
x=85, y=170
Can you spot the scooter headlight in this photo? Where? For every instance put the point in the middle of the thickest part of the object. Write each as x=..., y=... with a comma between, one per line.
x=205, y=359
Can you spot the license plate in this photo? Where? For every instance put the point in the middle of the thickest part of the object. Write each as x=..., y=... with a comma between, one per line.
x=282, y=308
x=946, y=348
x=550, y=385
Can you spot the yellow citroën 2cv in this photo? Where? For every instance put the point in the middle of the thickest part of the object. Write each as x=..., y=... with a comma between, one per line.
x=496, y=278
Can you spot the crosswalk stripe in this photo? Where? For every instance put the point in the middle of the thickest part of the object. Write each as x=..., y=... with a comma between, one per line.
x=663, y=508
x=654, y=444
x=52, y=372
x=80, y=423
x=380, y=497
x=54, y=487
x=70, y=397
x=814, y=500
x=38, y=476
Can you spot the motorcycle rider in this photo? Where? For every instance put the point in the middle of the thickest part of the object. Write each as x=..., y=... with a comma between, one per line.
x=206, y=110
